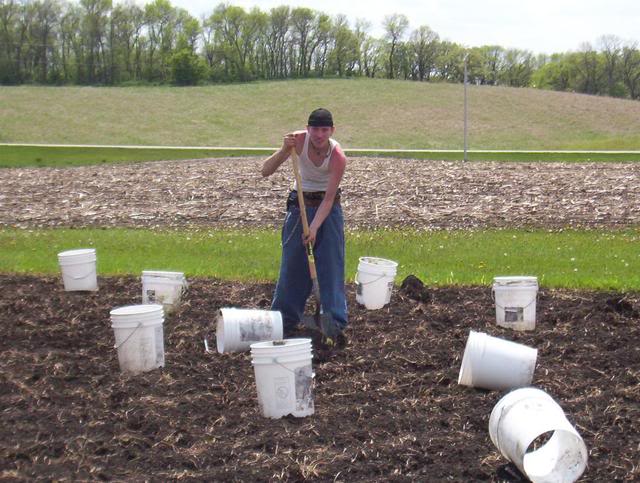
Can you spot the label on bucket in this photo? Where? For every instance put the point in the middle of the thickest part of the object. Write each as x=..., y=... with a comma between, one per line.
x=281, y=386
x=304, y=388
x=159, y=335
x=256, y=329
x=147, y=352
x=513, y=314
x=358, y=288
x=151, y=295
x=389, y=291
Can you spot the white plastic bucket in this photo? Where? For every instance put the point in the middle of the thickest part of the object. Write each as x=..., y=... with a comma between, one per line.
x=494, y=363
x=78, y=268
x=164, y=288
x=284, y=377
x=515, y=299
x=526, y=414
x=374, y=282
x=139, y=337
x=237, y=329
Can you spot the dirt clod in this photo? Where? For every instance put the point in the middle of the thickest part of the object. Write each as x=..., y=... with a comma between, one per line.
x=414, y=288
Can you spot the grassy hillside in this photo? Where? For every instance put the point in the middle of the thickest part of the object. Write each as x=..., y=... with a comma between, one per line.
x=369, y=114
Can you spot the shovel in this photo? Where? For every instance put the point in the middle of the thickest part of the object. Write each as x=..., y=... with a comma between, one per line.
x=320, y=321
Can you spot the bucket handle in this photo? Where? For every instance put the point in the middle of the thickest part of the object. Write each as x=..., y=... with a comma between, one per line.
x=370, y=281
x=275, y=361
x=493, y=297
x=81, y=277
x=116, y=346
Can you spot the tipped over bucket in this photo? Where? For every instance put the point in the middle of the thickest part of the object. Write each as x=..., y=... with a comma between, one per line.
x=374, y=282
x=164, y=288
x=515, y=299
x=494, y=363
x=526, y=415
x=78, y=268
x=284, y=377
x=139, y=337
x=237, y=329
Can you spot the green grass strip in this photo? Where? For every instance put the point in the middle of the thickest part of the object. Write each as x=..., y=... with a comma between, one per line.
x=63, y=157
x=67, y=156
x=508, y=156
x=570, y=258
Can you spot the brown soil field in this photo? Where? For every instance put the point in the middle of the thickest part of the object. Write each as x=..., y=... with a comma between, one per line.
x=377, y=193
x=387, y=406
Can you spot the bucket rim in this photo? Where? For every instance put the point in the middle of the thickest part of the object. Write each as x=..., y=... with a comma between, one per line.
x=288, y=343
x=275, y=315
x=307, y=358
x=465, y=377
x=77, y=252
x=162, y=281
x=134, y=310
x=301, y=349
x=132, y=324
x=377, y=261
x=515, y=280
x=162, y=274
x=77, y=261
x=387, y=272
x=555, y=420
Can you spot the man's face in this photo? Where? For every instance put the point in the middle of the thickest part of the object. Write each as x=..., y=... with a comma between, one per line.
x=320, y=134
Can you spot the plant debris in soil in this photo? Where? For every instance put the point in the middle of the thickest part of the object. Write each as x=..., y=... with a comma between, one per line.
x=387, y=406
x=377, y=193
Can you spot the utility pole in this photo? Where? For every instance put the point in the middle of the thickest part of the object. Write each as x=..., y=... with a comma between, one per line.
x=466, y=56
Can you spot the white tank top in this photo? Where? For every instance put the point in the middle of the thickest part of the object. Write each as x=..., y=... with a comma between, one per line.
x=314, y=178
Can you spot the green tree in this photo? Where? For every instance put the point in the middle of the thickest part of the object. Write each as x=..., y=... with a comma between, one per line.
x=276, y=42
x=160, y=19
x=588, y=71
x=322, y=40
x=9, y=42
x=556, y=74
x=127, y=24
x=44, y=33
x=424, y=46
x=236, y=34
x=631, y=70
x=395, y=27
x=94, y=28
x=187, y=68
x=370, y=50
x=450, y=62
x=517, y=68
x=344, y=54
x=611, y=50
x=72, y=45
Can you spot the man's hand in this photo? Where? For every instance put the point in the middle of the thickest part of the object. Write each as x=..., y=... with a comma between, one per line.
x=290, y=139
x=310, y=239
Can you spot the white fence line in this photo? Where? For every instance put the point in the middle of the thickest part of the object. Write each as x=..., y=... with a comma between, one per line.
x=353, y=150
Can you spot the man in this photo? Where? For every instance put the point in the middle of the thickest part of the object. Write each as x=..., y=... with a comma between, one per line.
x=322, y=165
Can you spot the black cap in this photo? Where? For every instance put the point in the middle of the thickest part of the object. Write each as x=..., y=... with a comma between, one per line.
x=320, y=118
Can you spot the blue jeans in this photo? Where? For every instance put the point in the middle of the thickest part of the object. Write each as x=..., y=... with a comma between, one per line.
x=294, y=283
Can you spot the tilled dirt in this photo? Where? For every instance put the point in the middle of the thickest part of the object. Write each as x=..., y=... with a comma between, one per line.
x=388, y=406
x=377, y=193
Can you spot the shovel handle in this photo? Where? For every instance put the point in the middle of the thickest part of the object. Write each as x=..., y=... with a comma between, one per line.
x=303, y=212
x=296, y=172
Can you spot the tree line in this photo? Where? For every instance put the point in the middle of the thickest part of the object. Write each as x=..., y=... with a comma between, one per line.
x=95, y=42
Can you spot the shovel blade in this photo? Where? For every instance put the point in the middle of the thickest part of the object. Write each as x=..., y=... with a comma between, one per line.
x=323, y=323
